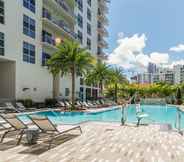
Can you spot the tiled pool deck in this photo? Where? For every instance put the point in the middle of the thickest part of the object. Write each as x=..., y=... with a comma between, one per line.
x=102, y=142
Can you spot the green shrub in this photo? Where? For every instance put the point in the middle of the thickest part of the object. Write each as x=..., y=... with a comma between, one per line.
x=26, y=102
x=21, y=101
x=50, y=102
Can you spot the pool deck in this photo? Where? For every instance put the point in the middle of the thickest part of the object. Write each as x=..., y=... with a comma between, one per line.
x=102, y=142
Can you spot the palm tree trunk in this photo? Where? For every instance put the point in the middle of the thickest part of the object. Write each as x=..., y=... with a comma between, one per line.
x=101, y=87
x=73, y=87
x=116, y=92
x=56, y=86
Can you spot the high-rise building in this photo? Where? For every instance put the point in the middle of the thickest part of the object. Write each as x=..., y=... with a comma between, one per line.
x=178, y=74
x=164, y=75
x=143, y=78
x=29, y=32
x=152, y=68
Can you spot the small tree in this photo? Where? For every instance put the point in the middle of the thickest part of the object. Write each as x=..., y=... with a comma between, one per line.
x=178, y=97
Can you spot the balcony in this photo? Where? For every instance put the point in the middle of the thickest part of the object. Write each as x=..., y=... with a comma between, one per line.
x=103, y=31
x=61, y=7
x=103, y=6
x=102, y=43
x=102, y=55
x=49, y=42
x=102, y=18
x=59, y=25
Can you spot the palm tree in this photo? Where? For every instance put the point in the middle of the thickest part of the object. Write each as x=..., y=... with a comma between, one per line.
x=98, y=75
x=70, y=59
x=116, y=77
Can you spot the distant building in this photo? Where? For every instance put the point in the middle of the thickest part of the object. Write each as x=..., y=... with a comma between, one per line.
x=152, y=68
x=155, y=78
x=164, y=75
x=178, y=74
x=155, y=74
x=143, y=78
x=134, y=79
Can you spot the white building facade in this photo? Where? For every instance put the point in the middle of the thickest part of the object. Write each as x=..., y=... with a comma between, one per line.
x=178, y=74
x=29, y=31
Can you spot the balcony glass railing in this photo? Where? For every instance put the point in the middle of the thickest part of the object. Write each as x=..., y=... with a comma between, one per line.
x=63, y=4
x=103, y=43
x=59, y=23
x=48, y=39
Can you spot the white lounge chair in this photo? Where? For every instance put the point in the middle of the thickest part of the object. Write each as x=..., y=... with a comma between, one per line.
x=20, y=106
x=61, y=104
x=10, y=107
x=67, y=104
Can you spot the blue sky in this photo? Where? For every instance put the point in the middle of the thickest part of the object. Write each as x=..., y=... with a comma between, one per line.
x=162, y=22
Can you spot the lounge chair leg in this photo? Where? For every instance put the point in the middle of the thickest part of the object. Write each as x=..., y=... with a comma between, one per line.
x=80, y=129
x=3, y=136
x=20, y=138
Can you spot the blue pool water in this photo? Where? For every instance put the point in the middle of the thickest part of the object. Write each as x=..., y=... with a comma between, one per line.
x=157, y=114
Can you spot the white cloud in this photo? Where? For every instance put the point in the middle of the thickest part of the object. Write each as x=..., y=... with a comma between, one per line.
x=127, y=50
x=178, y=48
x=142, y=60
x=129, y=53
x=159, y=58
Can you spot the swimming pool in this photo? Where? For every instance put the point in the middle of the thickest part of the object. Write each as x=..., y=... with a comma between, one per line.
x=157, y=114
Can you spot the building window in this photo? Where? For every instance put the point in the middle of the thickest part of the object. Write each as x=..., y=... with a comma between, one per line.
x=89, y=2
x=89, y=14
x=80, y=36
x=88, y=28
x=45, y=58
x=67, y=92
x=29, y=4
x=80, y=20
x=1, y=44
x=80, y=4
x=29, y=26
x=1, y=12
x=88, y=43
x=28, y=53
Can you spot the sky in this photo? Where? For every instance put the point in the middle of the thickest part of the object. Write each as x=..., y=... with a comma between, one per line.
x=142, y=31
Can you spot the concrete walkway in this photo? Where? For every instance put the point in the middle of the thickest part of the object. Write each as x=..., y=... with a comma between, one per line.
x=102, y=142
